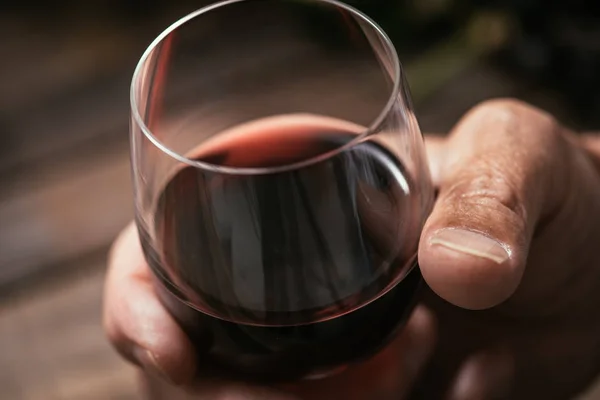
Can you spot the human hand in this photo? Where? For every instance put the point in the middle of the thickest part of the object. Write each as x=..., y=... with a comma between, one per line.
x=512, y=241
x=508, y=172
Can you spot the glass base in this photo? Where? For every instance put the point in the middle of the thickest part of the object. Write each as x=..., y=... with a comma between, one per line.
x=273, y=355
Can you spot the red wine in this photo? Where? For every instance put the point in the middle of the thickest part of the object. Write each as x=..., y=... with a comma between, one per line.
x=284, y=267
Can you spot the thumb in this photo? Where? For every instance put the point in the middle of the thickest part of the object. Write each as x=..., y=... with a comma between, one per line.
x=504, y=170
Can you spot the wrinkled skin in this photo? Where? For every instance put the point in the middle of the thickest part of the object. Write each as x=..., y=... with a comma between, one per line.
x=510, y=254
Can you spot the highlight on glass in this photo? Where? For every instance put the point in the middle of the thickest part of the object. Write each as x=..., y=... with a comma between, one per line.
x=280, y=184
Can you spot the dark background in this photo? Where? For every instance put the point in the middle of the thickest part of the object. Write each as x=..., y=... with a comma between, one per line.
x=65, y=69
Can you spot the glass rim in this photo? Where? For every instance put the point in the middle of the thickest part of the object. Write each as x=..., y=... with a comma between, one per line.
x=371, y=128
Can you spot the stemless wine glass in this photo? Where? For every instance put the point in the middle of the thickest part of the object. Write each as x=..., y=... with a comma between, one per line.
x=280, y=184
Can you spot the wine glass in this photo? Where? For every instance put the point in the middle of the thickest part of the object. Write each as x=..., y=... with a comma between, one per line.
x=280, y=185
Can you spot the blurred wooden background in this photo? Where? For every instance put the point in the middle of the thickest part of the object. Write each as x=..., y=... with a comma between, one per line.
x=65, y=186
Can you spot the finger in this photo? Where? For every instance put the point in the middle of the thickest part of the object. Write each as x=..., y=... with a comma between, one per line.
x=504, y=170
x=487, y=375
x=136, y=322
x=388, y=375
x=591, y=143
x=435, y=146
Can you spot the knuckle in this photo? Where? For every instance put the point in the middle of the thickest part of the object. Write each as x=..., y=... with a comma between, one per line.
x=121, y=239
x=489, y=193
x=503, y=105
x=118, y=340
x=528, y=119
x=112, y=317
x=521, y=138
x=111, y=329
x=485, y=179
